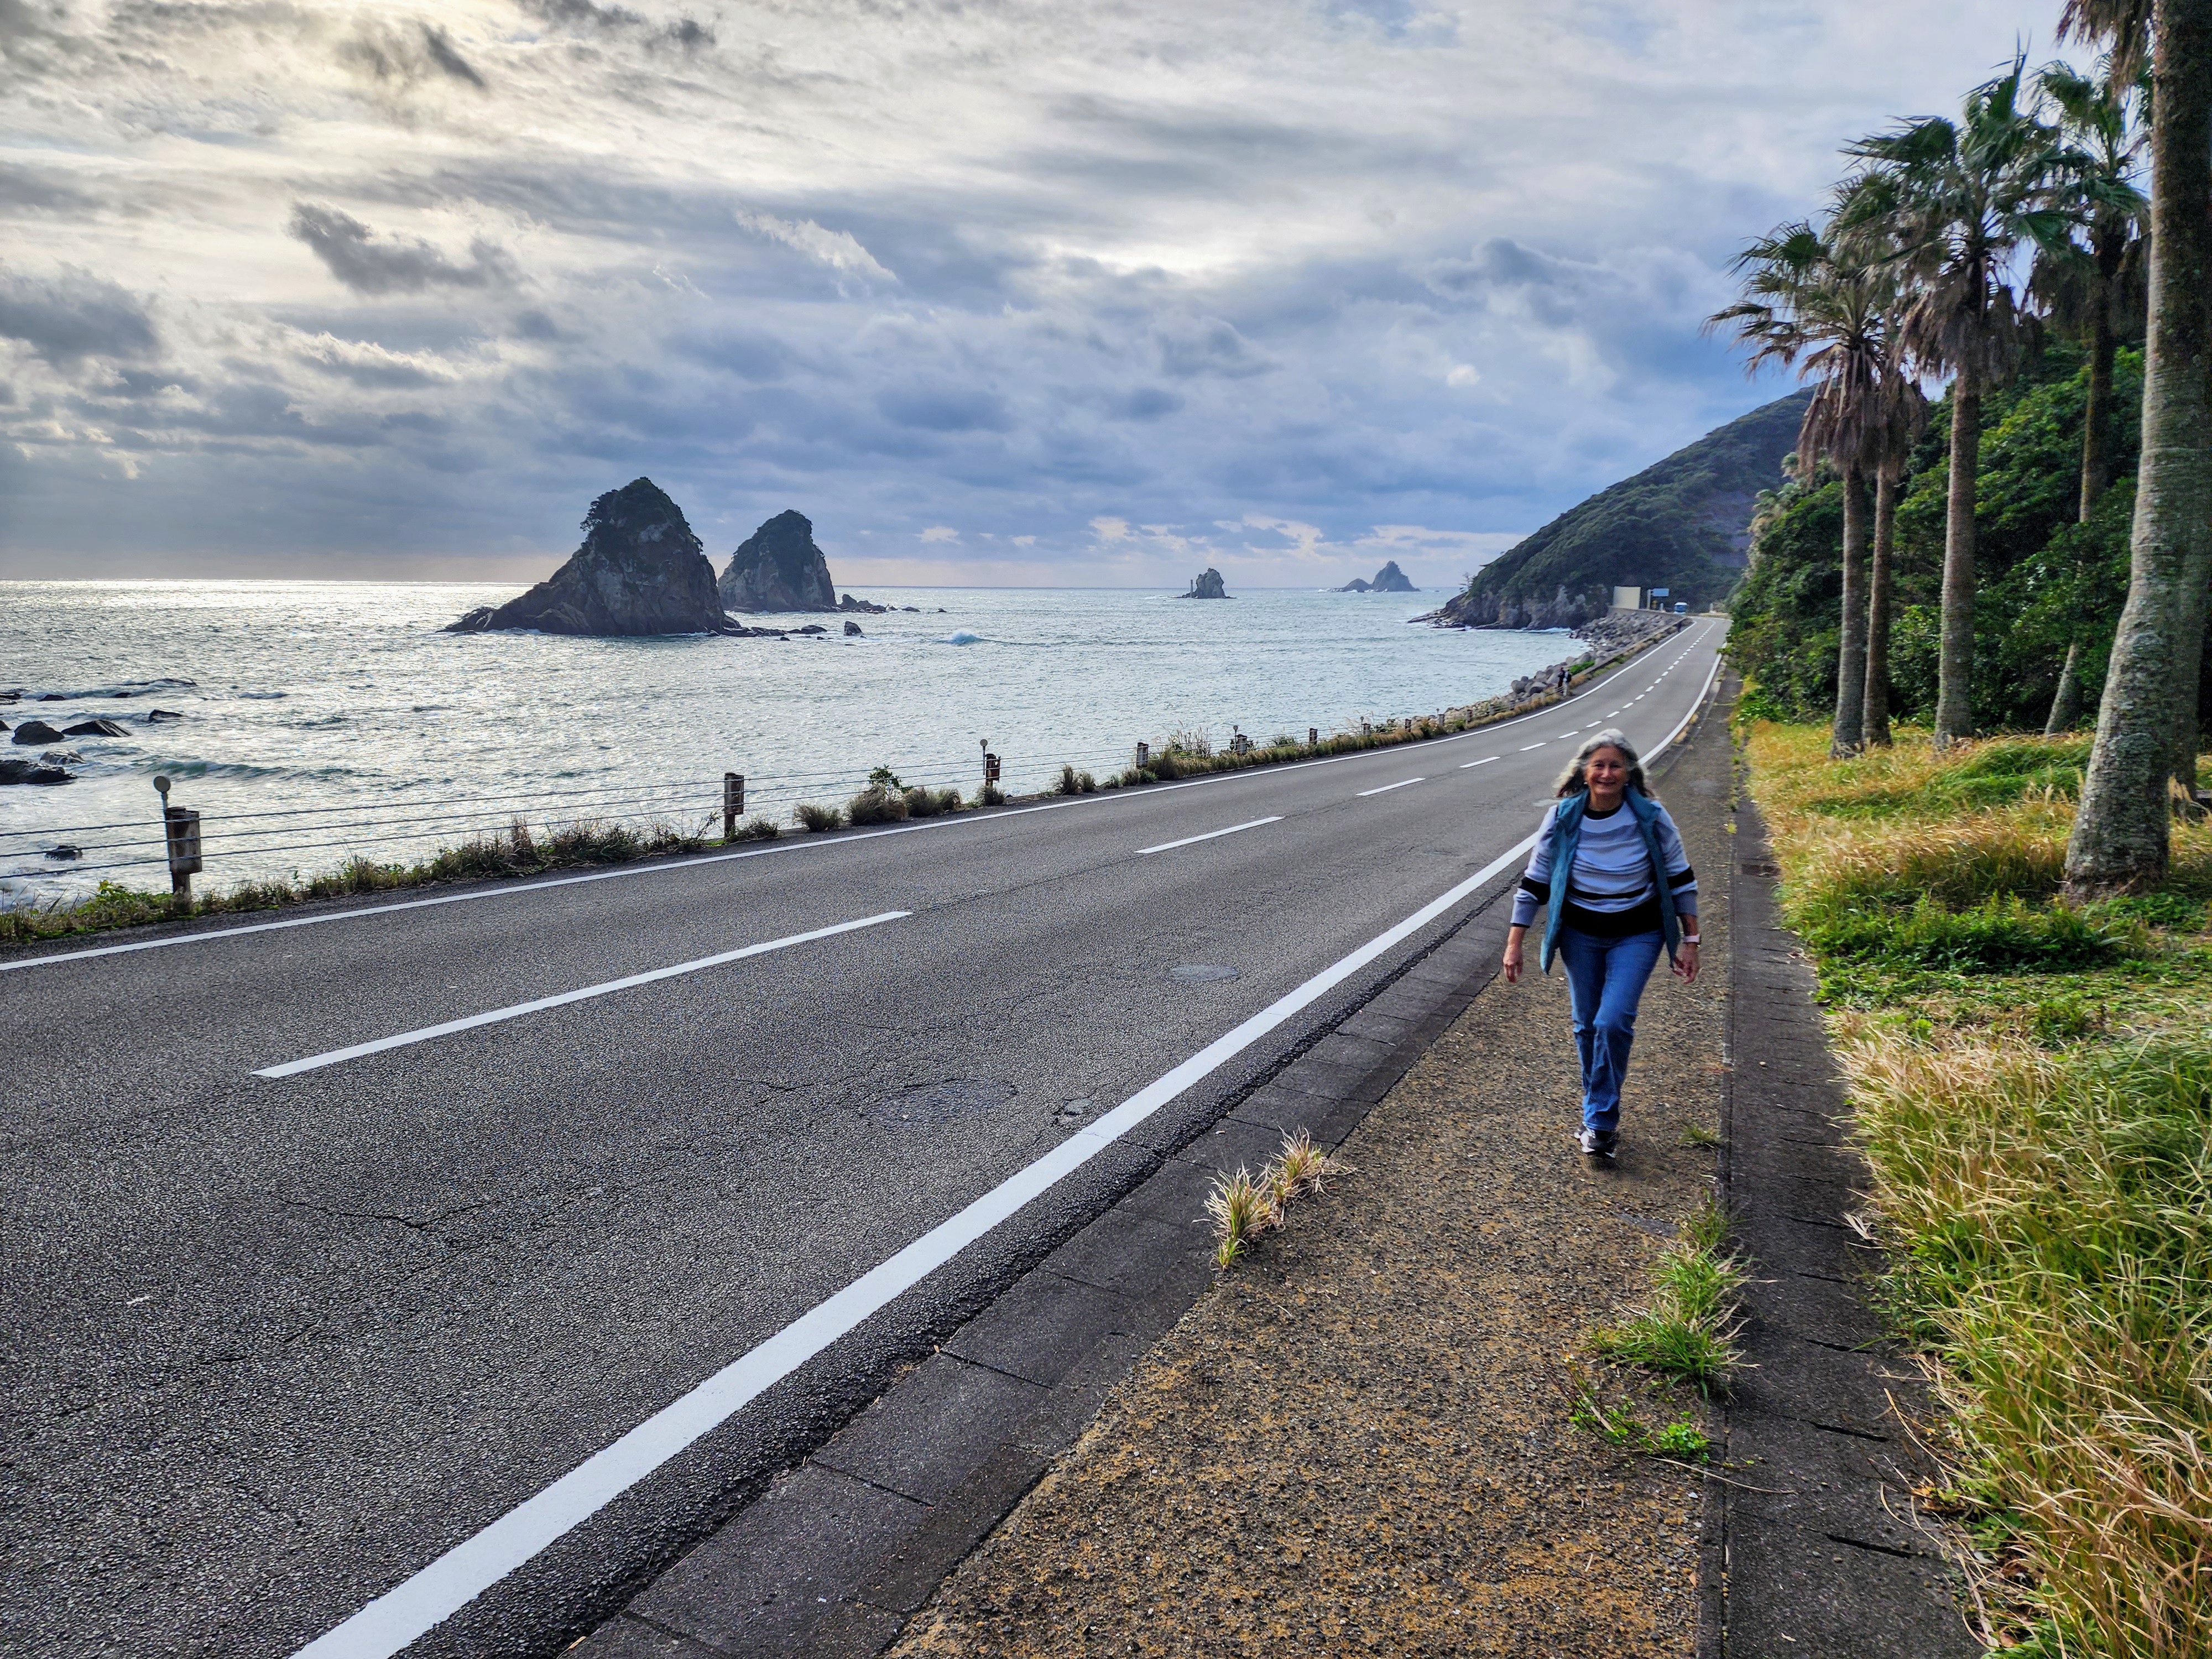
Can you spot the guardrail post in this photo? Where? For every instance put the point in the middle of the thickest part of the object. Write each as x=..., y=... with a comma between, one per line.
x=1313, y=737
x=180, y=836
x=1143, y=755
x=733, y=803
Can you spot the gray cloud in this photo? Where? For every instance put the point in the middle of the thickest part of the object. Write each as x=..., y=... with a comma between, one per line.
x=67, y=319
x=404, y=58
x=686, y=32
x=367, y=263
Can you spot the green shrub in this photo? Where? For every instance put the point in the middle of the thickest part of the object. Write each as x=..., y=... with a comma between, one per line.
x=816, y=819
x=990, y=795
x=877, y=805
x=922, y=803
x=759, y=827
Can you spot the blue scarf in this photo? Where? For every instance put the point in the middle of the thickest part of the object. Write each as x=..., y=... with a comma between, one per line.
x=1567, y=836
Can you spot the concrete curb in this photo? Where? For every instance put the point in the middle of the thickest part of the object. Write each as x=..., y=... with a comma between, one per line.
x=1809, y=1547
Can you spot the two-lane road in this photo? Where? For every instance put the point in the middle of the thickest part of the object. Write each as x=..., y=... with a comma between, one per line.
x=334, y=1244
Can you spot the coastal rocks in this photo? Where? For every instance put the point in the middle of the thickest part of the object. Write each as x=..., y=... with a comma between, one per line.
x=811, y=627
x=1389, y=580
x=96, y=729
x=1624, y=630
x=23, y=771
x=1564, y=609
x=852, y=630
x=779, y=568
x=868, y=607
x=1207, y=585
x=161, y=716
x=640, y=571
x=36, y=732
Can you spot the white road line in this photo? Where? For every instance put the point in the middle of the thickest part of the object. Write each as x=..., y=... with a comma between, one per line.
x=1593, y=725
x=336, y=1056
x=1210, y=834
x=1484, y=761
x=516, y=888
x=1387, y=788
x=420, y=1603
x=1526, y=747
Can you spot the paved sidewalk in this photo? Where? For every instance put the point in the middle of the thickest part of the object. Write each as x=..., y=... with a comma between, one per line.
x=1360, y=1441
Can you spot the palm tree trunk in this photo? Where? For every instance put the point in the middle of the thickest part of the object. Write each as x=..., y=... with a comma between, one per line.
x=2096, y=473
x=1848, y=737
x=2119, y=840
x=1873, y=715
x=1955, y=678
x=2188, y=665
x=2066, y=700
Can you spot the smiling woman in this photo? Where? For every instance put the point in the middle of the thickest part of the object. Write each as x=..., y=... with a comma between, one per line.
x=1006, y=272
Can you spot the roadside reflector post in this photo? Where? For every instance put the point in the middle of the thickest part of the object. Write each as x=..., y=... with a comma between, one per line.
x=180, y=836
x=1313, y=737
x=1143, y=755
x=733, y=803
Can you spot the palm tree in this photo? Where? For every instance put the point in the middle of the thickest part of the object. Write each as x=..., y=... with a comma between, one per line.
x=2119, y=843
x=1824, y=312
x=1957, y=199
x=1903, y=413
x=2082, y=285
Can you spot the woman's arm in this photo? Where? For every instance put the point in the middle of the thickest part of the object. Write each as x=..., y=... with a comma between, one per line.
x=1514, y=935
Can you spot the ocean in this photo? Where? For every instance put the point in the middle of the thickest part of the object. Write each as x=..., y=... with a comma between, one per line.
x=323, y=719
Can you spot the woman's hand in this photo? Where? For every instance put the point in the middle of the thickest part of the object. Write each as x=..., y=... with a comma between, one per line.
x=1685, y=963
x=1513, y=938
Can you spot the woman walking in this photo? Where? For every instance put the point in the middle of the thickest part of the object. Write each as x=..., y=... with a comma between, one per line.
x=1615, y=887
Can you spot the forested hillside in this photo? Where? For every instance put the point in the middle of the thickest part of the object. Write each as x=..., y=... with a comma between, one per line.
x=1679, y=524
x=2041, y=574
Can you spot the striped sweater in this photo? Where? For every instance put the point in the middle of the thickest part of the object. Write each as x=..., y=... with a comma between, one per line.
x=1609, y=890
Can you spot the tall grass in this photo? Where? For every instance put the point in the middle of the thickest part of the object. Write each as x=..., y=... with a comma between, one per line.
x=2042, y=1163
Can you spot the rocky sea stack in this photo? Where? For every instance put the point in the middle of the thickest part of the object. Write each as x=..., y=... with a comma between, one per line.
x=778, y=568
x=1207, y=585
x=640, y=571
x=1389, y=580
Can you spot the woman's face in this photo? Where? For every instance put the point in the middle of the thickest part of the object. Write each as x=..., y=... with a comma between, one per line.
x=1606, y=771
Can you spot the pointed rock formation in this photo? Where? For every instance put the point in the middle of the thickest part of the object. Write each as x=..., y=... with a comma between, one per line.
x=778, y=568
x=1207, y=585
x=1389, y=580
x=640, y=571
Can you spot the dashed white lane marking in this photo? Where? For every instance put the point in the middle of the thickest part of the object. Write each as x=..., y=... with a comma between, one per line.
x=1484, y=761
x=385, y=1626
x=1210, y=834
x=1526, y=747
x=336, y=1056
x=1387, y=788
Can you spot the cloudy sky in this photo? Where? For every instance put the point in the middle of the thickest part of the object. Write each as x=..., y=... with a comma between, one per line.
x=1023, y=291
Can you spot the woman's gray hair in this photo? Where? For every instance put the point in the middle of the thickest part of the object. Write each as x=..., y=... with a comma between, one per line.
x=1576, y=778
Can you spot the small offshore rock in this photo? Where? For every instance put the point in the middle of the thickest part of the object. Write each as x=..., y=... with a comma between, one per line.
x=1206, y=585
x=811, y=627
x=23, y=771
x=154, y=716
x=96, y=729
x=1389, y=580
x=852, y=630
x=64, y=851
x=36, y=732
x=866, y=606
x=61, y=758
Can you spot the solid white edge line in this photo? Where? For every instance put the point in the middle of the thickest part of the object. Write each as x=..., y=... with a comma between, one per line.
x=406, y=1039
x=512, y=889
x=1385, y=789
x=1210, y=834
x=385, y=1626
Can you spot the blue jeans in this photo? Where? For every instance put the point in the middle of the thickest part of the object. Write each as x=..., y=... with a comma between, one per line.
x=1605, y=981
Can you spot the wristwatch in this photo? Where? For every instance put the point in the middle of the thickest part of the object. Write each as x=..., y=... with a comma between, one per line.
x=1689, y=939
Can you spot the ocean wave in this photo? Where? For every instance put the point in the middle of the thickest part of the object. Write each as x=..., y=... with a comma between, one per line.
x=263, y=697
x=962, y=636
x=118, y=689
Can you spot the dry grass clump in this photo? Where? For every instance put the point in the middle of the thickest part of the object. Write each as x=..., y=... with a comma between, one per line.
x=1243, y=1206
x=816, y=819
x=2042, y=1177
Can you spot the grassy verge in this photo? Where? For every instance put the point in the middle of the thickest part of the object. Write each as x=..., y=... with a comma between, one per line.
x=517, y=850
x=2033, y=1085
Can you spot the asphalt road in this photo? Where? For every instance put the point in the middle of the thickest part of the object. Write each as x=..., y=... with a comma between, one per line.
x=276, y=1343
